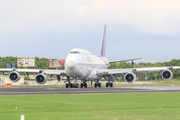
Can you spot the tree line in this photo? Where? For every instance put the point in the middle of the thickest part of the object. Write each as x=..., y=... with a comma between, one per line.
x=40, y=63
x=43, y=63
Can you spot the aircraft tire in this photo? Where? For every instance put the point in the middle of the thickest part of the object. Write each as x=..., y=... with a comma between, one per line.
x=77, y=85
x=67, y=85
x=111, y=84
x=107, y=85
x=95, y=85
x=71, y=85
x=85, y=85
x=99, y=85
x=81, y=85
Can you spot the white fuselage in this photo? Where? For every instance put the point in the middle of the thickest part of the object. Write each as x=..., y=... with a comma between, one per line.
x=82, y=65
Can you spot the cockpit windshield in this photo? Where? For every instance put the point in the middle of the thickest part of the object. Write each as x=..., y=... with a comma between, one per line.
x=74, y=52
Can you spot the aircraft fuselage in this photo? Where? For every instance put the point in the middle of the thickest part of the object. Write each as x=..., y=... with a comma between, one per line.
x=82, y=65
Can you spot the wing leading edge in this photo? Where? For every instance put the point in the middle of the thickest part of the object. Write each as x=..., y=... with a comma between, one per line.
x=126, y=70
x=45, y=71
x=124, y=60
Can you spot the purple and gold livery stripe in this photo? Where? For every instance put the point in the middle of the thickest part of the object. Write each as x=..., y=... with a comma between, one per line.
x=103, y=47
x=105, y=61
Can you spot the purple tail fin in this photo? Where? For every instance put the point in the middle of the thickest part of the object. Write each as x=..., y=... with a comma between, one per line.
x=103, y=47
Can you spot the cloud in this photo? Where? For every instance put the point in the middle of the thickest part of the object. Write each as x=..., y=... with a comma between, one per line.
x=57, y=25
x=146, y=16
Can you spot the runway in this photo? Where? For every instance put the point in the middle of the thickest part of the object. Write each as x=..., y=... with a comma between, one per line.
x=25, y=91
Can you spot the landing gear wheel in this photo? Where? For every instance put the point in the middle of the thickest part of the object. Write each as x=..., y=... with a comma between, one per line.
x=71, y=85
x=95, y=85
x=99, y=85
x=111, y=84
x=107, y=85
x=85, y=85
x=67, y=85
x=81, y=85
x=77, y=85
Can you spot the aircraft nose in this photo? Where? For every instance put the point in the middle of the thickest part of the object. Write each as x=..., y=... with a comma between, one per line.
x=71, y=65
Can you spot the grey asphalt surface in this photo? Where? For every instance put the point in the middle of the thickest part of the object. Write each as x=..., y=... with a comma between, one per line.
x=25, y=91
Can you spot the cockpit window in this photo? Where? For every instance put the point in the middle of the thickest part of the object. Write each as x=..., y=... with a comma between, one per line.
x=74, y=52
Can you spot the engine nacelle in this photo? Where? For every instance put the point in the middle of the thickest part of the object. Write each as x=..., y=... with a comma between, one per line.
x=130, y=77
x=167, y=74
x=14, y=76
x=41, y=78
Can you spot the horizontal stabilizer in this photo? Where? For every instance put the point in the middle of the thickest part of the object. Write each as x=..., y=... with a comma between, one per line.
x=124, y=60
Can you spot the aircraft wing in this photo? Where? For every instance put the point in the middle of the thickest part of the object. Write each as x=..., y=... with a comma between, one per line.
x=113, y=71
x=104, y=72
x=127, y=70
x=45, y=71
x=129, y=75
x=124, y=60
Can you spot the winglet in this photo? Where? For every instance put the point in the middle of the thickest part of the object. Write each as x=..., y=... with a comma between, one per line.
x=103, y=46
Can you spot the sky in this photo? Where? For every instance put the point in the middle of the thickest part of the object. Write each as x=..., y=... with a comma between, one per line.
x=149, y=29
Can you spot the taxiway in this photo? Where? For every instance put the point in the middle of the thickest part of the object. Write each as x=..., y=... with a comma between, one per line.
x=24, y=91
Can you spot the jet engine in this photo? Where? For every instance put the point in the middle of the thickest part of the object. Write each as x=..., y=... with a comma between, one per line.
x=41, y=78
x=130, y=77
x=14, y=76
x=167, y=74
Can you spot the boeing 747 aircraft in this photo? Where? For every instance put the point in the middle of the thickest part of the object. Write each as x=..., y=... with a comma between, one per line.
x=82, y=65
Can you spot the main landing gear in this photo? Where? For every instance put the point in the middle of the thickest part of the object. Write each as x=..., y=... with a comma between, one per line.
x=109, y=84
x=69, y=84
x=111, y=78
x=84, y=84
x=97, y=84
x=75, y=85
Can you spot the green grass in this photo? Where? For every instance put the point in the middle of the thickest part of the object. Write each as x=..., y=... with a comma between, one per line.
x=113, y=106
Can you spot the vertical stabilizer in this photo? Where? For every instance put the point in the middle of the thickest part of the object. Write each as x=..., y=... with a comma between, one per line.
x=103, y=46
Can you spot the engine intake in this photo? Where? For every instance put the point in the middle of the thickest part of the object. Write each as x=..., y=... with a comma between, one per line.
x=14, y=76
x=167, y=75
x=130, y=77
x=41, y=78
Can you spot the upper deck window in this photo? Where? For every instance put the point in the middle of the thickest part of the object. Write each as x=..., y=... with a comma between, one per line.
x=74, y=52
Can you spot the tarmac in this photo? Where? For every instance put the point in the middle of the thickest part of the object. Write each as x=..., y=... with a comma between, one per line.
x=26, y=91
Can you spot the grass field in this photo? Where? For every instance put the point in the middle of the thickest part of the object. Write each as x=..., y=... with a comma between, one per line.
x=116, y=106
